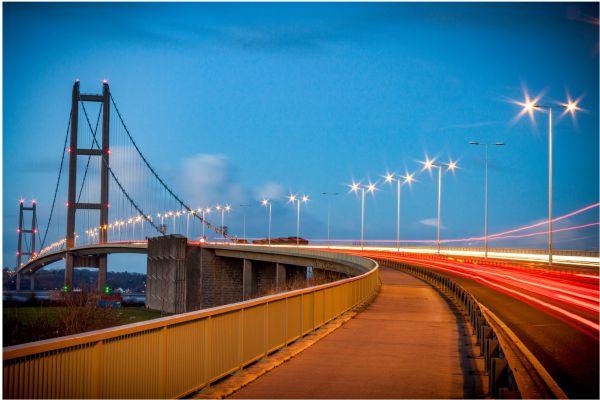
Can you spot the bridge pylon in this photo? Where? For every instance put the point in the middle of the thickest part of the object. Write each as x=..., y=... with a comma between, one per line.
x=32, y=232
x=102, y=150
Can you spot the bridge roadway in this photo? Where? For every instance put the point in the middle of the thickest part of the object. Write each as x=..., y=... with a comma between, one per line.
x=409, y=343
x=554, y=314
x=588, y=262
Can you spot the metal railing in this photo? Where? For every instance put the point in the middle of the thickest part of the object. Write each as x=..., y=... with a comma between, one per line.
x=177, y=355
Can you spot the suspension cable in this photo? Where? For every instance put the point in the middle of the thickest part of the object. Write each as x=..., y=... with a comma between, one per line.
x=62, y=161
x=133, y=203
x=189, y=209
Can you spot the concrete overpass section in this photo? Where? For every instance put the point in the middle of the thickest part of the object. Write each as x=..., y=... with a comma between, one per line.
x=94, y=255
x=555, y=315
x=184, y=276
x=409, y=343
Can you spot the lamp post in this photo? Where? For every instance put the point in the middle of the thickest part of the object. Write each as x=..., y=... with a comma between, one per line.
x=223, y=209
x=408, y=178
x=244, y=208
x=486, y=146
x=450, y=166
x=266, y=202
x=370, y=188
x=530, y=106
x=204, y=211
x=295, y=199
x=329, y=214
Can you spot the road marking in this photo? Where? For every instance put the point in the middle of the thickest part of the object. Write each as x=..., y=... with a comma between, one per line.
x=537, y=365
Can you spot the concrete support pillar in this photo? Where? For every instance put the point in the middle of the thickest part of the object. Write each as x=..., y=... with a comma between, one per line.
x=247, y=280
x=166, y=284
x=18, y=281
x=32, y=282
x=102, y=272
x=69, y=261
x=280, y=282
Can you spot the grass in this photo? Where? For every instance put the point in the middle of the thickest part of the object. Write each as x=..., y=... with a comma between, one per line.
x=26, y=324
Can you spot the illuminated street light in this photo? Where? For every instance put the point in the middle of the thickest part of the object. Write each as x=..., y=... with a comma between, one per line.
x=223, y=209
x=486, y=145
x=450, y=166
x=390, y=178
x=292, y=198
x=370, y=188
x=204, y=211
x=266, y=202
x=530, y=106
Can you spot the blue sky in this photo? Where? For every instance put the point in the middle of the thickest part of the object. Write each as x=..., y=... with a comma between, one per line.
x=247, y=99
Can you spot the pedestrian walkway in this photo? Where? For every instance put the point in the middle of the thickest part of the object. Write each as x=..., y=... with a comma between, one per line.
x=409, y=343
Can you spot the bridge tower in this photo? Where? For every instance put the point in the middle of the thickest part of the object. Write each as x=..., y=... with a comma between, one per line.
x=32, y=232
x=73, y=260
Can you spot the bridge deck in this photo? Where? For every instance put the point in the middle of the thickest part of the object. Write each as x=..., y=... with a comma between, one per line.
x=408, y=344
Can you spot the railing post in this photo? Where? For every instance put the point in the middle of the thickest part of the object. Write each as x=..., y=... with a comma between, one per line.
x=97, y=370
x=240, y=339
x=164, y=368
x=285, y=323
x=266, y=329
x=208, y=350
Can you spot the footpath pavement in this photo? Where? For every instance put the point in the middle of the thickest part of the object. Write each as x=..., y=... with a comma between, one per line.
x=409, y=343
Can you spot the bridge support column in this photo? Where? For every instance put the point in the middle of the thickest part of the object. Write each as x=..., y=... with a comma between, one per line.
x=32, y=282
x=18, y=281
x=247, y=279
x=166, y=278
x=280, y=282
x=69, y=264
x=102, y=272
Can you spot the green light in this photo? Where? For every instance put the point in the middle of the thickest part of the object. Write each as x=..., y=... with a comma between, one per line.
x=66, y=288
x=107, y=289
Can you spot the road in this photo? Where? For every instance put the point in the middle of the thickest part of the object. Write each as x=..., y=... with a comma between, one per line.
x=554, y=313
x=409, y=343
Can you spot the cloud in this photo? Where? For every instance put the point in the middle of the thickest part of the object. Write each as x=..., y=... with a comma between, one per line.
x=270, y=190
x=209, y=179
x=431, y=222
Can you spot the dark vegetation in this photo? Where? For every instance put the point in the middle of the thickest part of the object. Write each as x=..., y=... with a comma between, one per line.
x=78, y=312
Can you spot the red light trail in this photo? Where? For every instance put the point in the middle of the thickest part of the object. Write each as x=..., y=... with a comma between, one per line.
x=574, y=298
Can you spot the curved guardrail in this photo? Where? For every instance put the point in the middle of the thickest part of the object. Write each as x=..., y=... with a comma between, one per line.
x=177, y=355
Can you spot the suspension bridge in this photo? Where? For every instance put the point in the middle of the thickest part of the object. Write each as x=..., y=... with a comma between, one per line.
x=524, y=317
x=111, y=189
x=115, y=199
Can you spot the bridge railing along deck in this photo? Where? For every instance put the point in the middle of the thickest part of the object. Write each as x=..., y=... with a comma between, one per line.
x=176, y=355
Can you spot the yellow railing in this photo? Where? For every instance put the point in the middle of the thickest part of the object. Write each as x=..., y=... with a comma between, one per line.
x=175, y=356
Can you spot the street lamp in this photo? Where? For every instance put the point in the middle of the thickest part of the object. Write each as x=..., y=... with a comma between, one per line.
x=223, y=209
x=529, y=107
x=329, y=214
x=292, y=198
x=204, y=211
x=407, y=178
x=450, y=166
x=370, y=188
x=486, y=146
x=266, y=202
x=243, y=207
